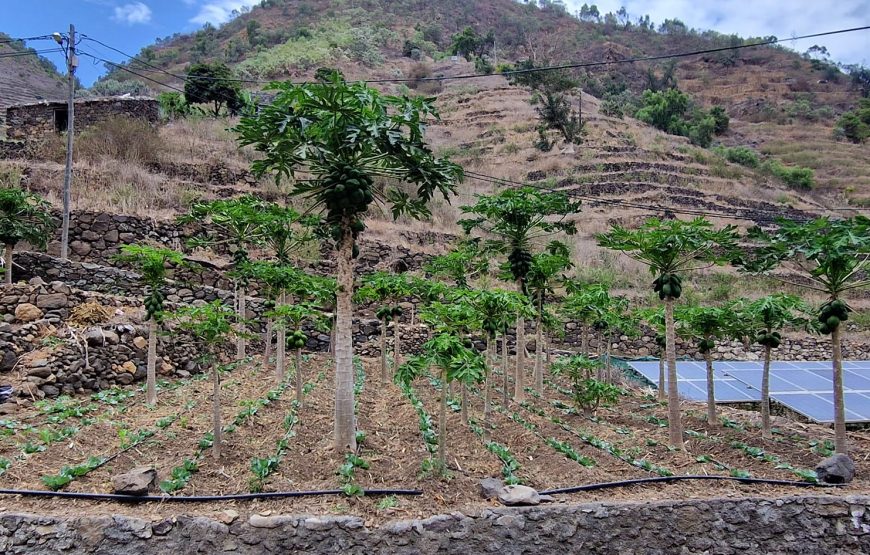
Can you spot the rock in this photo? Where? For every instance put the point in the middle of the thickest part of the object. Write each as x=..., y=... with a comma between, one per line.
x=51, y=301
x=81, y=248
x=228, y=516
x=490, y=488
x=36, y=281
x=50, y=391
x=138, y=481
x=519, y=495
x=838, y=469
x=8, y=361
x=27, y=312
x=98, y=336
x=39, y=372
x=125, y=378
x=129, y=367
x=140, y=342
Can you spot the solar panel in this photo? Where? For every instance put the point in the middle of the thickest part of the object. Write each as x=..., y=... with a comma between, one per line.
x=803, y=386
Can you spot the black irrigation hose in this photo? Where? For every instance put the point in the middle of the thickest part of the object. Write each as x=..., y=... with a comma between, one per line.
x=196, y=498
x=657, y=479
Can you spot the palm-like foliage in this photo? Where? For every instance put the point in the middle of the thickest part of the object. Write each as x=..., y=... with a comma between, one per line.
x=343, y=136
x=24, y=217
x=388, y=289
x=670, y=248
x=293, y=318
x=834, y=255
x=463, y=263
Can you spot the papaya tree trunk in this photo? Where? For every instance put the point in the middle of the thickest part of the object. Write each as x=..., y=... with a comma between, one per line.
x=332, y=336
x=608, y=368
x=397, y=342
x=504, y=370
x=765, y=395
x=487, y=393
x=7, y=258
x=267, y=339
x=345, y=436
x=384, y=375
x=675, y=423
x=299, y=376
x=584, y=340
x=151, y=369
x=464, y=407
x=442, y=423
x=599, y=357
x=281, y=347
x=711, y=392
x=840, y=443
x=216, y=410
x=241, y=342
x=539, y=350
x=662, y=395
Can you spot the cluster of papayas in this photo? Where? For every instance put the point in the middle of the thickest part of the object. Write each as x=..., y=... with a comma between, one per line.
x=599, y=325
x=297, y=339
x=668, y=285
x=771, y=340
x=831, y=314
x=240, y=256
x=154, y=304
x=520, y=262
x=388, y=313
x=706, y=345
x=348, y=191
x=661, y=341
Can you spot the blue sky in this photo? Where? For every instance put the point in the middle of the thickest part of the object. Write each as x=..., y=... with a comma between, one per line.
x=131, y=24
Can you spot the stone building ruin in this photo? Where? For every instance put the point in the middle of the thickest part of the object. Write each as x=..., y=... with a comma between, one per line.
x=41, y=119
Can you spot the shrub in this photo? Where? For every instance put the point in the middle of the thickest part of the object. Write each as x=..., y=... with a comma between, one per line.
x=855, y=125
x=120, y=138
x=793, y=176
x=112, y=87
x=173, y=105
x=740, y=155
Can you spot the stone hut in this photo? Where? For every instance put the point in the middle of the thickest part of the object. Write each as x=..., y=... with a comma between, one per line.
x=37, y=120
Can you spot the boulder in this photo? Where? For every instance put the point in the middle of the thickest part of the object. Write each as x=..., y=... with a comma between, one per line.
x=98, y=336
x=838, y=469
x=8, y=360
x=140, y=342
x=490, y=488
x=138, y=481
x=51, y=301
x=519, y=495
x=27, y=312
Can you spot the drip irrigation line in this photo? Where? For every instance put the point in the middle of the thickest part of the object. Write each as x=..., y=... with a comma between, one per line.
x=198, y=498
x=668, y=479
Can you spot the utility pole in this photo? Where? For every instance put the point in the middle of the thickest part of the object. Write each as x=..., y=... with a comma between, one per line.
x=71, y=63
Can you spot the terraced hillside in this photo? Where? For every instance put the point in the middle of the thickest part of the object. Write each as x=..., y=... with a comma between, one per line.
x=25, y=79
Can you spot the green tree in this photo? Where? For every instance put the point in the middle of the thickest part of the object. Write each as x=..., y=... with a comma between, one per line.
x=389, y=289
x=25, y=217
x=670, y=248
x=587, y=392
x=343, y=136
x=545, y=274
x=293, y=318
x=766, y=318
x=856, y=124
x=518, y=218
x=213, y=324
x=469, y=44
x=833, y=256
x=551, y=92
x=151, y=262
x=213, y=84
x=704, y=325
x=466, y=261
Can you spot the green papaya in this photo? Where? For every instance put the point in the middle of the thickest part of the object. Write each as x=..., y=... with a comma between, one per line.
x=833, y=322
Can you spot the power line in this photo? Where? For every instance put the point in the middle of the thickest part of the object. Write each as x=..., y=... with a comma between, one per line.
x=29, y=53
x=23, y=39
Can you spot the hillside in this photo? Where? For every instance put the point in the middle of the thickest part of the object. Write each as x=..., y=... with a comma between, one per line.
x=26, y=78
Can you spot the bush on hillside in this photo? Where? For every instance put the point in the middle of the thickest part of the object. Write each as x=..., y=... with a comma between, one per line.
x=671, y=111
x=173, y=105
x=793, y=176
x=855, y=125
x=112, y=87
x=739, y=155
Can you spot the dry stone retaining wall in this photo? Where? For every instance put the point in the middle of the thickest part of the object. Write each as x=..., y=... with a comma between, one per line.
x=35, y=121
x=811, y=525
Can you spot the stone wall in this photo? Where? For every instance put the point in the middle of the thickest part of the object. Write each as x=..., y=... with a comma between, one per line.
x=811, y=525
x=34, y=121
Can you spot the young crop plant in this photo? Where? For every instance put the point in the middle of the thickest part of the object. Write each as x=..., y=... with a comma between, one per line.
x=263, y=467
x=430, y=437
x=834, y=256
x=519, y=218
x=587, y=393
x=24, y=217
x=387, y=289
x=670, y=248
x=347, y=474
x=67, y=474
x=292, y=319
x=151, y=263
x=343, y=136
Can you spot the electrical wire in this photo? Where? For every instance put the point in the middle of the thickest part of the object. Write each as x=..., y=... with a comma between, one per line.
x=197, y=498
x=669, y=479
x=23, y=39
x=29, y=53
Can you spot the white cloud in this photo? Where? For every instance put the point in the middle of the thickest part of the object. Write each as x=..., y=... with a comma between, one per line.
x=762, y=18
x=220, y=11
x=133, y=13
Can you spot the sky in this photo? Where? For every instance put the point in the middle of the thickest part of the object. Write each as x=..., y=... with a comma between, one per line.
x=129, y=25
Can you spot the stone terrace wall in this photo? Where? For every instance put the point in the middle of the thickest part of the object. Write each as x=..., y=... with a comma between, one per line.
x=822, y=525
x=34, y=121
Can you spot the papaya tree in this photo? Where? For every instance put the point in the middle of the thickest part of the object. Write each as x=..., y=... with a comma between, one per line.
x=388, y=289
x=766, y=318
x=671, y=249
x=655, y=318
x=213, y=324
x=151, y=263
x=466, y=261
x=24, y=217
x=704, y=326
x=601, y=312
x=343, y=136
x=518, y=219
x=293, y=318
x=587, y=392
x=455, y=361
x=546, y=272
x=233, y=224
x=833, y=258
x=583, y=305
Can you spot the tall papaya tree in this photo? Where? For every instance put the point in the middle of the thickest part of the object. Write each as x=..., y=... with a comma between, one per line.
x=704, y=326
x=833, y=258
x=547, y=271
x=25, y=217
x=213, y=324
x=671, y=249
x=293, y=318
x=583, y=305
x=151, y=262
x=343, y=137
x=387, y=289
x=234, y=224
x=518, y=219
x=765, y=319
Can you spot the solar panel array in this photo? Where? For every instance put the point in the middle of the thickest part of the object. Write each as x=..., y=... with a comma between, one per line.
x=804, y=387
